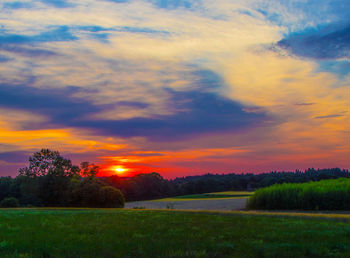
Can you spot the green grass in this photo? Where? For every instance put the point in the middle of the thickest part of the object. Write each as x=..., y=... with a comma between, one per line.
x=331, y=194
x=145, y=233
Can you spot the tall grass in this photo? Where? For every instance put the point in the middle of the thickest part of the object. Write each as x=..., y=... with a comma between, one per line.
x=333, y=194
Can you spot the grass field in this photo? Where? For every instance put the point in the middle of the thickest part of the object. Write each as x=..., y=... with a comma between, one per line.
x=216, y=195
x=145, y=233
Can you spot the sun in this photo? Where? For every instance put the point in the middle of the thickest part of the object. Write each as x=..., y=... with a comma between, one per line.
x=120, y=169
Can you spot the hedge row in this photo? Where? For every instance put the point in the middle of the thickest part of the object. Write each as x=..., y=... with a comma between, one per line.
x=331, y=194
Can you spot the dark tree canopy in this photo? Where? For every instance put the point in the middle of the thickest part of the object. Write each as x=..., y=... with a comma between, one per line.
x=48, y=162
x=88, y=170
x=52, y=180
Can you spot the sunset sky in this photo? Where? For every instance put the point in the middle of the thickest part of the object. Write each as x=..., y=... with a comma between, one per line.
x=180, y=87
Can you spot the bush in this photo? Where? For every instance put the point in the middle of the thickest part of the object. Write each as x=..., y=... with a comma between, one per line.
x=333, y=194
x=111, y=197
x=10, y=202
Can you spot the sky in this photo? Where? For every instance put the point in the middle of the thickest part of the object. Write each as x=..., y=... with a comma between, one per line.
x=179, y=87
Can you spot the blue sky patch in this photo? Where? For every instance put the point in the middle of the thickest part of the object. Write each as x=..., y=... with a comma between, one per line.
x=60, y=33
x=17, y=5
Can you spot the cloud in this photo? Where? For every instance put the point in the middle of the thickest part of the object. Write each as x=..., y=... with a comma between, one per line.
x=4, y=59
x=331, y=42
x=339, y=67
x=32, y=52
x=14, y=156
x=329, y=116
x=197, y=113
x=58, y=105
x=194, y=113
x=304, y=104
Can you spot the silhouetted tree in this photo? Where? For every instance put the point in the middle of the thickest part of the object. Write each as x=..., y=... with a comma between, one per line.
x=5, y=187
x=88, y=170
x=51, y=180
x=9, y=202
x=49, y=162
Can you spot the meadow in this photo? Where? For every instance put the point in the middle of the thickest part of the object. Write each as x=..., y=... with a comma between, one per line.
x=332, y=194
x=229, y=200
x=147, y=233
x=216, y=195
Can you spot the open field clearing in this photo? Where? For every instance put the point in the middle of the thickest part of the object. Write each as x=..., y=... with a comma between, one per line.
x=229, y=200
x=190, y=204
x=145, y=233
x=217, y=195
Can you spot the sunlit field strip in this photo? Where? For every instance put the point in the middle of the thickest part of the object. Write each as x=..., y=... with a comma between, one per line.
x=196, y=199
x=209, y=198
x=233, y=192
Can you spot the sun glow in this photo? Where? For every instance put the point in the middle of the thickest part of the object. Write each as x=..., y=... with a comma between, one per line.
x=120, y=169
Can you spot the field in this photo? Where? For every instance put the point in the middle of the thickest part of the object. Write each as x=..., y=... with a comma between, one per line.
x=217, y=195
x=333, y=194
x=145, y=233
x=208, y=201
x=223, y=204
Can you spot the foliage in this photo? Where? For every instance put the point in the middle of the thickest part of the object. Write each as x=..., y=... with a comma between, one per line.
x=331, y=194
x=47, y=162
x=143, y=186
x=169, y=233
x=88, y=170
x=5, y=187
x=111, y=197
x=92, y=192
x=9, y=202
x=153, y=186
x=52, y=181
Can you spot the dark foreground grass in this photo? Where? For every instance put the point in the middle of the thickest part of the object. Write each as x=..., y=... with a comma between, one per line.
x=145, y=233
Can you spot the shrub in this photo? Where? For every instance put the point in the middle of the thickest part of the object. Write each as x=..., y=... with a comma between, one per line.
x=333, y=194
x=111, y=197
x=9, y=202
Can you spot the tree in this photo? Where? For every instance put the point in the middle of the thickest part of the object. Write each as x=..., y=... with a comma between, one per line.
x=47, y=162
x=5, y=187
x=111, y=197
x=85, y=192
x=88, y=170
x=9, y=202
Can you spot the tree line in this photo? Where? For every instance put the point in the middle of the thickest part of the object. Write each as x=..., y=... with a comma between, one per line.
x=154, y=186
x=51, y=180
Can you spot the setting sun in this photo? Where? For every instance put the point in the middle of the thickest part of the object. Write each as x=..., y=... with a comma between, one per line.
x=120, y=169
